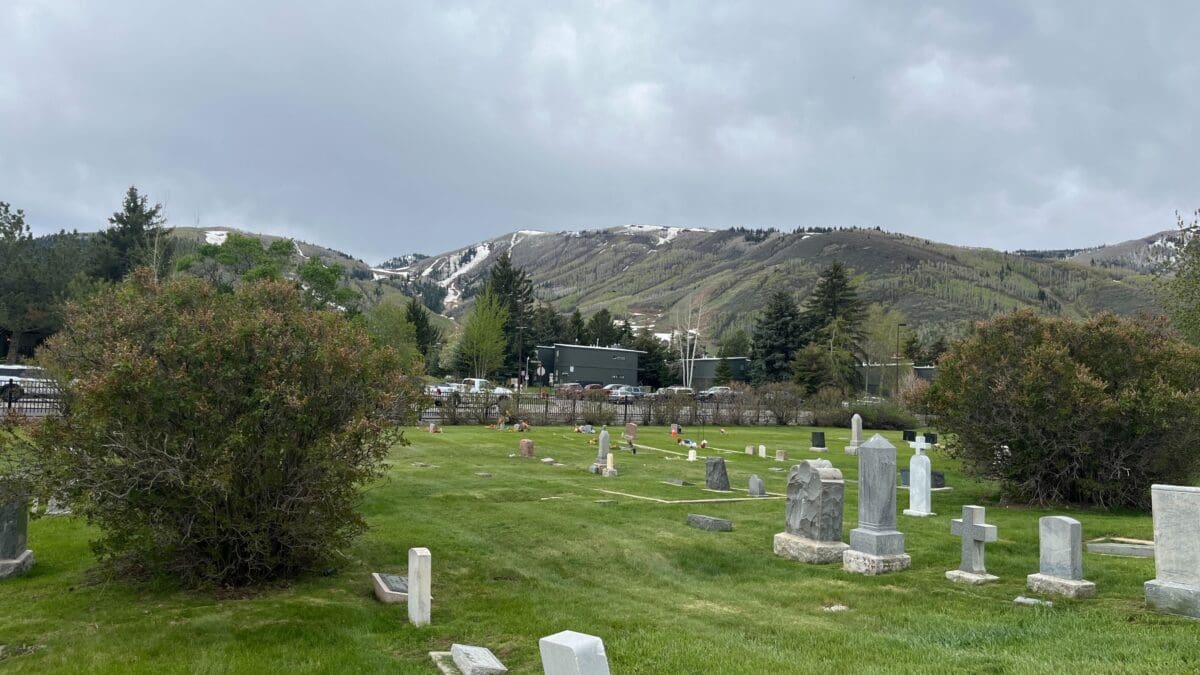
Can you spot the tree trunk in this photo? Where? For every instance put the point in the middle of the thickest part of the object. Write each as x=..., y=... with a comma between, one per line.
x=14, y=346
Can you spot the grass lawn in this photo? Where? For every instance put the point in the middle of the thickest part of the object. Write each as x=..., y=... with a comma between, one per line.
x=528, y=552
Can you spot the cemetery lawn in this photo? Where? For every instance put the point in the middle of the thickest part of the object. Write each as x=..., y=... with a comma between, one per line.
x=528, y=551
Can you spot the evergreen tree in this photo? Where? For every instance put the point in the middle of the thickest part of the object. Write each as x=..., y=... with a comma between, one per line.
x=736, y=343
x=427, y=335
x=723, y=373
x=548, y=327
x=776, y=338
x=816, y=367
x=601, y=331
x=136, y=236
x=834, y=297
x=625, y=334
x=515, y=290
x=653, y=365
x=577, y=329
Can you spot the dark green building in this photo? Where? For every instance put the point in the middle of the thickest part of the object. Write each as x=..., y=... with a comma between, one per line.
x=704, y=371
x=586, y=365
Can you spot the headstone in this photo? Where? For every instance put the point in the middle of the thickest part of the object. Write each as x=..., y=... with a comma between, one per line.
x=876, y=547
x=756, y=489
x=709, y=523
x=930, y=438
x=920, y=497
x=749, y=449
x=909, y=435
x=781, y=455
x=762, y=451
x=571, y=653
x=56, y=508
x=604, y=445
x=975, y=534
x=939, y=479
x=420, y=586
x=1061, y=560
x=692, y=455
x=715, y=476
x=919, y=444
x=818, y=442
x=1176, y=585
x=476, y=660
x=813, y=526
x=674, y=430
x=855, y=434
x=630, y=432
x=1121, y=547
x=527, y=447
x=15, y=557
x=610, y=468
x=390, y=588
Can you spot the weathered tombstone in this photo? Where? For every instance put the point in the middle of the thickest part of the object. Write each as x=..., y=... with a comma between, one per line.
x=571, y=653
x=762, y=451
x=1176, y=585
x=610, y=468
x=813, y=526
x=715, y=476
x=420, y=586
x=604, y=445
x=756, y=489
x=939, y=479
x=781, y=455
x=692, y=455
x=975, y=534
x=920, y=497
x=1061, y=559
x=709, y=523
x=818, y=442
x=15, y=557
x=876, y=547
x=630, y=434
x=749, y=449
x=855, y=434
x=476, y=660
x=527, y=447
x=390, y=588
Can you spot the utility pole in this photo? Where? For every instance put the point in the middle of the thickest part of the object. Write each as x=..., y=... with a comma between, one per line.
x=896, y=360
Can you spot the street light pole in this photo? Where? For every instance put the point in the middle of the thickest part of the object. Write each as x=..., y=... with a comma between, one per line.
x=896, y=360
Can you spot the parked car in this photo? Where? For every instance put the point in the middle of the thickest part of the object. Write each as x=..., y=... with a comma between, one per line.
x=443, y=389
x=715, y=392
x=568, y=389
x=625, y=392
x=676, y=390
x=478, y=385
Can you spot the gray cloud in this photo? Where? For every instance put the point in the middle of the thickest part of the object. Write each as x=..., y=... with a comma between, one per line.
x=425, y=126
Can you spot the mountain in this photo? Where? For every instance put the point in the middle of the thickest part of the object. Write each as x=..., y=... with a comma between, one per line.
x=647, y=273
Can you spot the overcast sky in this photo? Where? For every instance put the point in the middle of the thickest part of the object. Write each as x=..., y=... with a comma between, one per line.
x=381, y=128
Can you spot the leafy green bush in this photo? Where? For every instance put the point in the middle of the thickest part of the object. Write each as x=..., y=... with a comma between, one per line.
x=875, y=416
x=1060, y=411
x=219, y=437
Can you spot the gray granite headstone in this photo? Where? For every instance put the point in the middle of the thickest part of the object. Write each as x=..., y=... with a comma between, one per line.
x=395, y=583
x=715, y=476
x=1061, y=559
x=875, y=545
x=15, y=556
x=815, y=501
x=757, y=489
x=472, y=660
x=709, y=523
x=975, y=534
x=605, y=446
x=1176, y=586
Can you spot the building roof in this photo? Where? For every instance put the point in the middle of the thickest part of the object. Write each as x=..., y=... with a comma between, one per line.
x=611, y=349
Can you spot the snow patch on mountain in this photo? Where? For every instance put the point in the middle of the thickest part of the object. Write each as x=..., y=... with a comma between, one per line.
x=217, y=237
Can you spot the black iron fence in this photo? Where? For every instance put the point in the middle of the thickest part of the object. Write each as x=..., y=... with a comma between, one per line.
x=744, y=409
x=29, y=397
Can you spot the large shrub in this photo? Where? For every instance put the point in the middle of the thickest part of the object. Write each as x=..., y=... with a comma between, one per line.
x=1061, y=411
x=219, y=437
x=884, y=415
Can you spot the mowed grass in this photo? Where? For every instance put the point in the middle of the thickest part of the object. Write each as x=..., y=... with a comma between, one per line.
x=528, y=552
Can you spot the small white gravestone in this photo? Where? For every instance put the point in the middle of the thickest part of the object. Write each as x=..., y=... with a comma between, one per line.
x=749, y=449
x=919, y=445
x=855, y=435
x=781, y=455
x=920, y=493
x=1176, y=585
x=762, y=451
x=691, y=455
x=610, y=467
x=571, y=653
x=1061, y=559
x=420, y=586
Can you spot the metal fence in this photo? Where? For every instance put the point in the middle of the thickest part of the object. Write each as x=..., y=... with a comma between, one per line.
x=562, y=410
x=30, y=398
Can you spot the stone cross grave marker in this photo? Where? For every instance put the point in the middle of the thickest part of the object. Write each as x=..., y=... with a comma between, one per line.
x=975, y=534
x=715, y=475
x=919, y=444
x=855, y=434
x=813, y=525
x=420, y=586
x=15, y=556
x=571, y=653
x=876, y=547
x=1061, y=559
x=1176, y=585
x=920, y=493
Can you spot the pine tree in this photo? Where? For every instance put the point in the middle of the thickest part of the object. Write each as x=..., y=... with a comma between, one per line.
x=427, y=334
x=653, y=365
x=548, y=326
x=723, y=373
x=833, y=298
x=136, y=237
x=736, y=343
x=577, y=329
x=776, y=338
x=600, y=329
x=513, y=287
